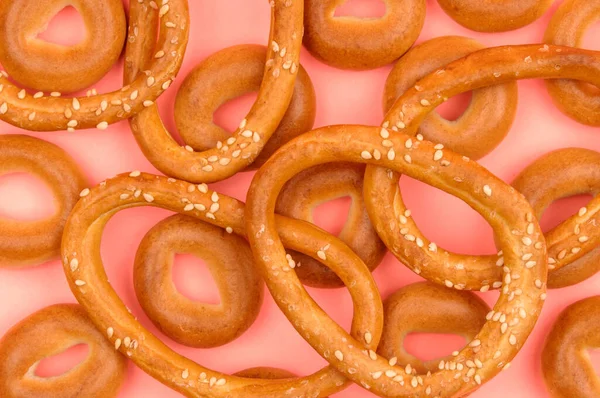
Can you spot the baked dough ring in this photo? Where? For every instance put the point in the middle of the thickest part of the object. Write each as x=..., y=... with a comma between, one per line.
x=25, y=243
x=51, y=331
x=88, y=282
x=237, y=71
x=230, y=261
x=560, y=174
x=483, y=68
x=50, y=67
x=505, y=209
x=42, y=112
x=360, y=43
x=495, y=15
x=254, y=130
x=319, y=184
x=487, y=119
x=429, y=308
x=577, y=99
x=567, y=368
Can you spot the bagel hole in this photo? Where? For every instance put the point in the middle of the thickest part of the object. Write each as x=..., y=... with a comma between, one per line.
x=61, y=363
x=231, y=113
x=595, y=359
x=333, y=214
x=561, y=209
x=590, y=42
x=428, y=346
x=361, y=9
x=65, y=28
x=193, y=279
x=447, y=220
x=455, y=106
x=25, y=197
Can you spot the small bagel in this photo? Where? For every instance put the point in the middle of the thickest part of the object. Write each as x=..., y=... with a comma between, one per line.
x=567, y=368
x=236, y=71
x=51, y=331
x=230, y=260
x=360, y=43
x=573, y=244
x=429, y=308
x=50, y=67
x=319, y=184
x=25, y=243
x=489, y=116
x=577, y=99
x=495, y=15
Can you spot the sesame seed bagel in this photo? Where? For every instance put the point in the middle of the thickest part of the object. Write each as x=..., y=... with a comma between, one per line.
x=362, y=43
x=51, y=331
x=316, y=185
x=577, y=99
x=40, y=65
x=254, y=131
x=495, y=15
x=24, y=243
x=572, y=245
x=429, y=308
x=383, y=198
x=229, y=259
x=523, y=290
x=50, y=112
x=81, y=243
x=566, y=364
x=237, y=71
x=487, y=119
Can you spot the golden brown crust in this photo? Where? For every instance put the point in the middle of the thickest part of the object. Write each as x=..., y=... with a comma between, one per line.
x=567, y=368
x=236, y=71
x=487, y=119
x=491, y=66
x=230, y=261
x=88, y=283
x=49, y=112
x=360, y=43
x=578, y=100
x=316, y=185
x=25, y=243
x=51, y=331
x=523, y=290
x=429, y=308
x=255, y=129
x=556, y=175
x=50, y=67
x=265, y=373
x=495, y=15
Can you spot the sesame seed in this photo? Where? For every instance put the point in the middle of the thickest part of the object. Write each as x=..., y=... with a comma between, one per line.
x=424, y=102
x=339, y=355
x=188, y=207
x=526, y=241
x=512, y=339
x=393, y=361
x=408, y=144
x=368, y=337
x=376, y=375
x=229, y=230
x=384, y=133
x=185, y=374
x=79, y=282
x=159, y=54
x=366, y=155
x=74, y=264
x=22, y=94
x=487, y=190
x=149, y=198
x=438, y=155
x=37, y=95
x=102, y=126
x=372, y=355
x=109, y=332
x=321, y=254
x=583, y=239
x=407, y=158
x=3, y=108
x=582, y=211
x=408, y=369
x=475, y=343
x=135, y=173
x=84, y=193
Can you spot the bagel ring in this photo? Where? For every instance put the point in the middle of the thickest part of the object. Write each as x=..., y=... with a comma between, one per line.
x=383, y=198
x=51, y=331
x=236, y=71
x=42, y=66
x=81, y=245
x=574, y=332
x=43, y=112
x=360, y=43
x=230, y=261
x=524, y=287
x=495, y=15
x=429, y=308
x=487, y=119
x=254, y=131
x=559, y=174
x=25, y=243
x=319, y=184
x=577, y=99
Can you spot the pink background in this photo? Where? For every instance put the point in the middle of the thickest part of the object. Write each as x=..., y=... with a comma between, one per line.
x=343, y=97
